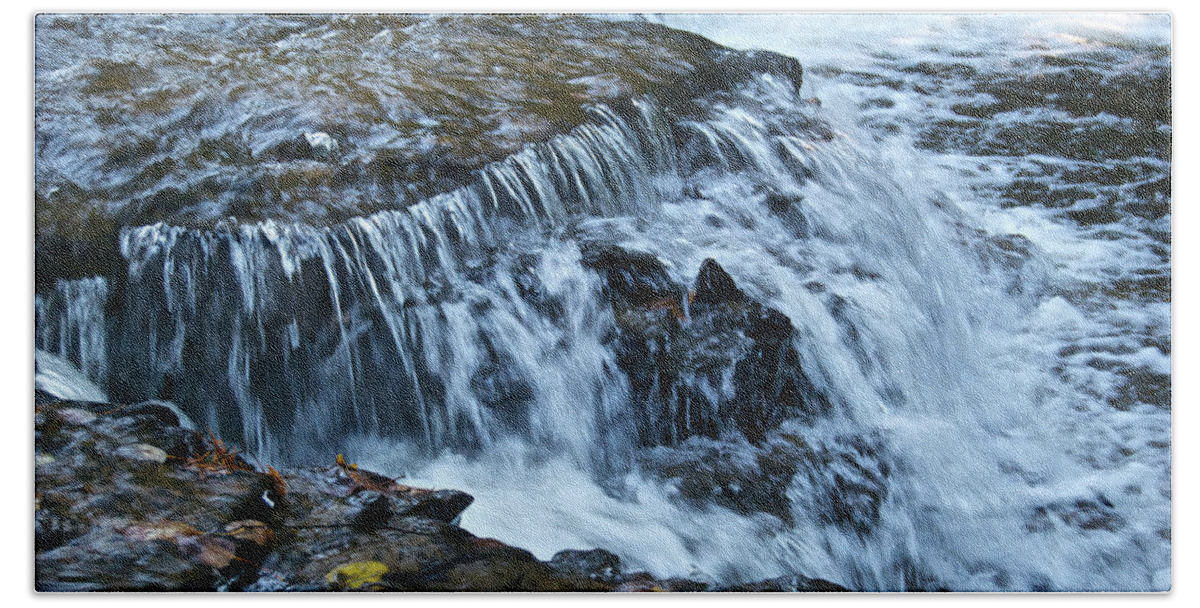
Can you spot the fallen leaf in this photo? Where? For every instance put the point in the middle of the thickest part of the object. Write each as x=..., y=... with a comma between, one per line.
x=252, y=530
x=159, y=530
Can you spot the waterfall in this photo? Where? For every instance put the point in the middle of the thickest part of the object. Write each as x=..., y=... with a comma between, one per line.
x=70, y=323
x=426, y=324
x=462, y=341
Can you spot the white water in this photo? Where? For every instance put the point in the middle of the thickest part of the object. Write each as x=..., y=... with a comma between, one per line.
x=901, y=322
x=987, y=432
x=59, y=378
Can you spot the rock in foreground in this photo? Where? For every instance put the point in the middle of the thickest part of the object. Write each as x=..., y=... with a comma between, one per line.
x=127, y=499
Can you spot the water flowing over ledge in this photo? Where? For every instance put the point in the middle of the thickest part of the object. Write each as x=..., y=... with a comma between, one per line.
x=941, y=356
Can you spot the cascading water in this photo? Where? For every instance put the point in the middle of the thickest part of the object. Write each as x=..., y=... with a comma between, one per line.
x=463, y=342
x=71, y=322
x=409, y=324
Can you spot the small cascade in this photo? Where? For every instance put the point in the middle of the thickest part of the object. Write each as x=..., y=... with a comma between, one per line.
x=405, y=323
x=839, y=393
x=600, y=168
x=70, y=323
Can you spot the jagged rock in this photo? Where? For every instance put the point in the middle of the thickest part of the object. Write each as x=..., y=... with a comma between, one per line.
x=740, y=477
x=843, y=479
x=787, y=208
x=115, y=513
x=630, y=278
x=736, y=66
x=328, y=496
x=715, y=286
x=718, y=363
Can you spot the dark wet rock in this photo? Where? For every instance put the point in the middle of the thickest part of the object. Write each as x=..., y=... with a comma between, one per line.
x=115, y=513
x=164, y=412
x=209, y=521
x=508, y=395
x=1143, y=385
x=715, y=286
x=416, y=555
x=739, y=477
x=642, y=582
x=127, y=499
x=112, y=561
x=1093, y=212
x=734, y=67
x=363, y=500
x=630, y=278
x=704, y=363
x=596, y=564
x=787, y=209
x=843, y=479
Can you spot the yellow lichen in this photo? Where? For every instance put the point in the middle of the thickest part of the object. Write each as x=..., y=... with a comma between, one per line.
x=356, y=575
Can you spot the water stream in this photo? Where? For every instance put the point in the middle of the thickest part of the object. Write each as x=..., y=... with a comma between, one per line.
x=994, y=367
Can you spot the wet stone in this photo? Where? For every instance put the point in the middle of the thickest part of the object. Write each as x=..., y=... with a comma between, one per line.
x=143, y=452
x=76, y=416
x=715, y=286
x=596, y=564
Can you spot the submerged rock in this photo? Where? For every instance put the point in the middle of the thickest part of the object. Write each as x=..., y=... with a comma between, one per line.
x=190, y=119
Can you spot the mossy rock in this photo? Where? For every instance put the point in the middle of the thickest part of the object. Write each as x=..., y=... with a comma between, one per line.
x=190, y=119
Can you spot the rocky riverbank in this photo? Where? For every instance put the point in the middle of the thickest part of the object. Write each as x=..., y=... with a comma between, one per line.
x=134, y=498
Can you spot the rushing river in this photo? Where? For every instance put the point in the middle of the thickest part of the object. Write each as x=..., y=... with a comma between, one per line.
x=976, y=259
